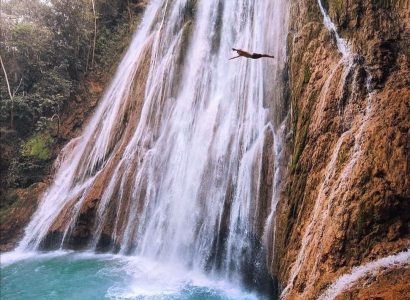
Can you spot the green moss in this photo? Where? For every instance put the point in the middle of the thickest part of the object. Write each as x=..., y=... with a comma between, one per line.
x=342, y=156
x=288, y=230
x=307, y=113
x=38, y=147
x=302, y=136
x=296, y=195
x=289, y=42
x=299, y=147
x=337, y=7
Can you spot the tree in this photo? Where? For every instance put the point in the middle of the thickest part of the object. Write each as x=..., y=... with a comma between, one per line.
x=95, y=33
x=8, y=89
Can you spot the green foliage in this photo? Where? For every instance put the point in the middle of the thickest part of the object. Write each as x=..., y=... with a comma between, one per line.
x=30, y=38
x=38, y=147
x=110, y=44
x=47, y=50
x=46, y=97
x=343, y=156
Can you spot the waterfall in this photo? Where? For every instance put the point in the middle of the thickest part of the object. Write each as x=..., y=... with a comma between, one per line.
x=171, y=165
x=334, y=181
x=340, y=42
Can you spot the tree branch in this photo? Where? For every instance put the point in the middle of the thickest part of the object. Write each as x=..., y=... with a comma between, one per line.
x=95, y=33
x=18, y=87
x=7, y=78
x=10, y=94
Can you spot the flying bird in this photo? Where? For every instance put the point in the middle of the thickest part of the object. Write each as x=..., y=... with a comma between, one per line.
x=249, y=55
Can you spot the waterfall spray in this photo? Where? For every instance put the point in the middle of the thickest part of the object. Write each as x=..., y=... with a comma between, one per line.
x=170, y=165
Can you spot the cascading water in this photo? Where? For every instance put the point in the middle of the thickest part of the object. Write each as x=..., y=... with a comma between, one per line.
x=399, y=260
x=333, y=182
x=170, y=166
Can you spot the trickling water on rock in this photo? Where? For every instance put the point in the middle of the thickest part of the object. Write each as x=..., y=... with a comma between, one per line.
x=171, y=165
x=347, y=68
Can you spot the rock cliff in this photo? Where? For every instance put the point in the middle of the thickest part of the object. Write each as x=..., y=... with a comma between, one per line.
x=345, y=200
x=345, y=196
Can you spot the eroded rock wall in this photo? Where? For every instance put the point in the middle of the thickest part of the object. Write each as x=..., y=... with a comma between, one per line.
x=345, y=200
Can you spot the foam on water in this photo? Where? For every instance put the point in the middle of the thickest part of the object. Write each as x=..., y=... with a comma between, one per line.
x=185, y=178
x=94, y=276
x=9, y=258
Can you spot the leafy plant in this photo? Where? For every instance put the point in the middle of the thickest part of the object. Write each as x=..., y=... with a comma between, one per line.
x=38, y=147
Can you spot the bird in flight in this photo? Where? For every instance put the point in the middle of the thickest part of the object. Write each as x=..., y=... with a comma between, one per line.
x=249, y=55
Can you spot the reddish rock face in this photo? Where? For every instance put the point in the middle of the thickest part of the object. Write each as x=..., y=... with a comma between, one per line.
x=387, y=285
x=346, y=197
x=15, y=218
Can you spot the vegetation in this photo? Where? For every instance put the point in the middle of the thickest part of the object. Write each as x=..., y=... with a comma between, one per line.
x=38, y=147
x=343, y=155
x=301, y=138
x=299, y=147
x=47, y=50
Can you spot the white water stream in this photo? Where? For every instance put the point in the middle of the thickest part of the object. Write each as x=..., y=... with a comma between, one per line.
x=185, y=177
x=346, y=281
x=312, y=236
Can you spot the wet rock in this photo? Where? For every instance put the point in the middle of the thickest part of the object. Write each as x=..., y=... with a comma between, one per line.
x=344, y=201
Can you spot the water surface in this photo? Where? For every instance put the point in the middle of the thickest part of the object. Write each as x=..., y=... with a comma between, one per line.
x=65, y=275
